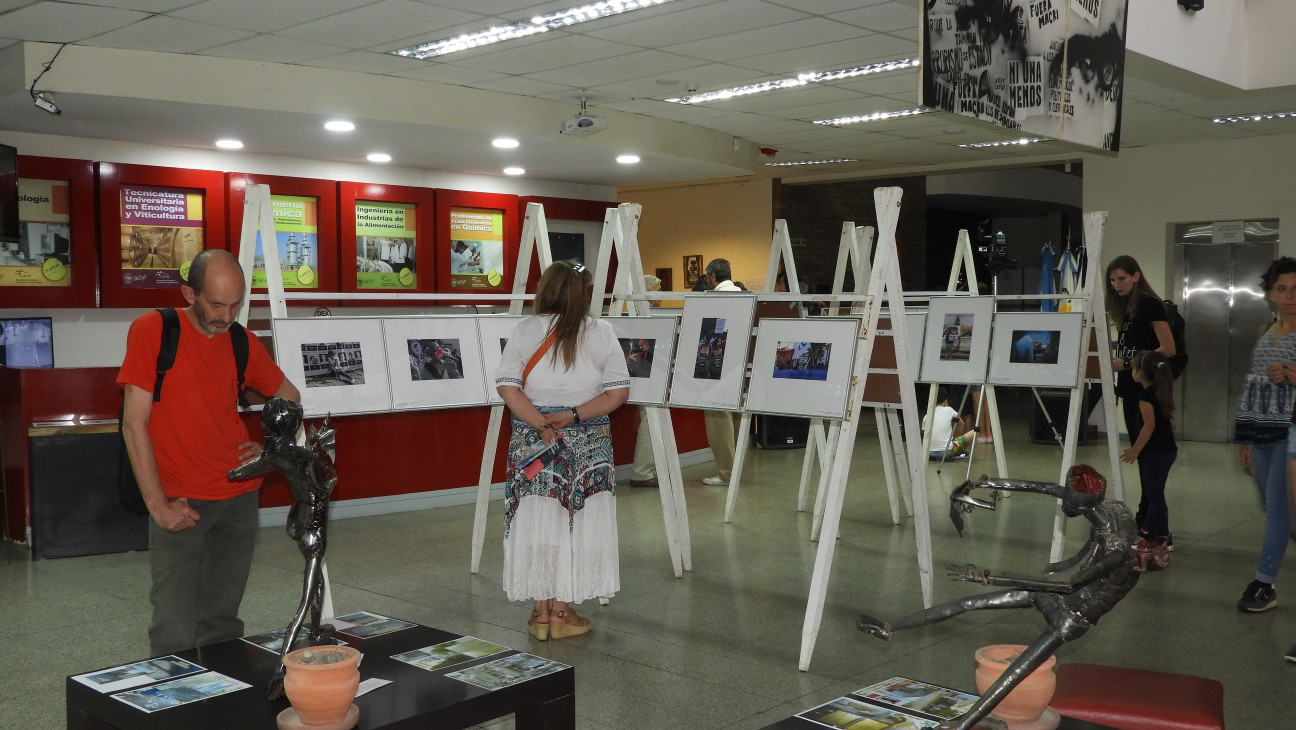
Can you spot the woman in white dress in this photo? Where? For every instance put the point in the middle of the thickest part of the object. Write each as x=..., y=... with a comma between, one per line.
x=561, y=374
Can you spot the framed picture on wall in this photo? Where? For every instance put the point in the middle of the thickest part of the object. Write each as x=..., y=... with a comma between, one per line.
x=153, y=221
x=692, y=270
x=715, y=332
x=386, y=238
x=434, y=361
x=339, y=363
x=493, y=331
x=802, y=367
x=306, y=229
x=956, y=341
x=477, y=241
x=52, y=262
x=1036, y=348
x=649, y=347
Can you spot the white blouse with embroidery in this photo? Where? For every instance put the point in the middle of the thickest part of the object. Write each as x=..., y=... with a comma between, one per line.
x=600, y=364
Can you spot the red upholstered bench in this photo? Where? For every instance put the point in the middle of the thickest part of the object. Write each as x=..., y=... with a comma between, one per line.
x=1137, y=699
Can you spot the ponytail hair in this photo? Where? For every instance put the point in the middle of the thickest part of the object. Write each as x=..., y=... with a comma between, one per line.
x=1156, y=370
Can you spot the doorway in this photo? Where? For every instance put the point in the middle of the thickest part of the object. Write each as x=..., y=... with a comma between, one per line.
x=1217, y=267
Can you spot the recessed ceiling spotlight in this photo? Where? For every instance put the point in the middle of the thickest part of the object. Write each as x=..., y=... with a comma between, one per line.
x=229, y=144
x=378, y=157
x=339, y=125
x=627, y=159
x=514, y=171
x=505, y=143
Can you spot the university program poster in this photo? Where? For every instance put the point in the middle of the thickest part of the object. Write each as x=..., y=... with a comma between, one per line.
x=386, y=234
x=42, y=256
x=161, y=233
x=296, y=222
x=476, y=248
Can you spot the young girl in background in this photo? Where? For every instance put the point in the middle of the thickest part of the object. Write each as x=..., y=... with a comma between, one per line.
x=1154, y=449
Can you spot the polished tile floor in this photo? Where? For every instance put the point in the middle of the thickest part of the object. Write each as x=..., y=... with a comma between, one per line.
x=718, y=648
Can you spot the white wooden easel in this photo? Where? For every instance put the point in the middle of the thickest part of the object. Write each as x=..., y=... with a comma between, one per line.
x=780, y=250
x=621, y=233
x=1095, y=321
x=535, y=241
x=853, y=248
x=258, y=215
x=884, y=283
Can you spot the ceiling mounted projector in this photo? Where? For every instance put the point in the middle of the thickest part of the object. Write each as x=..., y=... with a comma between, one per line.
x=583, y=125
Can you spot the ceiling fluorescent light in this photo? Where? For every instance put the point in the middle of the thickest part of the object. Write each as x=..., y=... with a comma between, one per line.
x=874, y=117
x=1254, y=118
x=814, y=77
x=810, y=162
x=1005, y=143
x=524, y=28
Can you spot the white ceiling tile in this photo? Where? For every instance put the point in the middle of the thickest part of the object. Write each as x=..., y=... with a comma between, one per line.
x=697, y=23
x=547, y=51
x=366, y=62
x=522, y=86
x=859, y=50
x=381, y=24
x=56, y=22
x=647, y=107
x=447, y=73
x=509, y=8
x=754, y=126
x=273, y=49
x=910, y=98
x=262, y=16
x=168, y=35
x=890, y=82
x=827, y=7
x=7, y=5
x=597, y=101
x=770, y=39
x=686, y=113
x=147, y=6
x=625, y=67
x=882, y=18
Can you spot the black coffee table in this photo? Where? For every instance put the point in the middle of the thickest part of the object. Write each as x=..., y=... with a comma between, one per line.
x=417, y=698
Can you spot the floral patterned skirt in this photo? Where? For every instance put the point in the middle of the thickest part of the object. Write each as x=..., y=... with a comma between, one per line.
x=560, y=531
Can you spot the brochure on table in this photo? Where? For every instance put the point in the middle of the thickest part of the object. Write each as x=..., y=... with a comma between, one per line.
x=895, y=704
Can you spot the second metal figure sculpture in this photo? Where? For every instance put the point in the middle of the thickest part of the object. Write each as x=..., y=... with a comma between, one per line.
x=1071, y=595
x=311, y=476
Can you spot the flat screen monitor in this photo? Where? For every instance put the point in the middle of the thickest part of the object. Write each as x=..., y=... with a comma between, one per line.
x=8, y=194
x=27, y=343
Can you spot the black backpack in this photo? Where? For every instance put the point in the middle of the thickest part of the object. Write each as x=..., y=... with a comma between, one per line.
x=128, y=492
x=1179, y=360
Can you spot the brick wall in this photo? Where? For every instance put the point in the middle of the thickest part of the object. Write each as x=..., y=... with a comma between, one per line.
x=815, y=213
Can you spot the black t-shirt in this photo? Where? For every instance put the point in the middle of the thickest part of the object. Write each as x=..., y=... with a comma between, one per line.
x=1162, y=432
x=1137, y=334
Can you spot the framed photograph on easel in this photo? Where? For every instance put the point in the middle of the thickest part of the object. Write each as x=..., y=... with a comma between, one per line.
x=649, y=347
x=339, y=363
x=1036, y=348
x=715, y=331
x=956, y=342
x=802, y=367
x=493, y=331
x=434, y=362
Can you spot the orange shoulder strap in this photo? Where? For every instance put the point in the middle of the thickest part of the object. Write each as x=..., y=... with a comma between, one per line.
x=539, y=354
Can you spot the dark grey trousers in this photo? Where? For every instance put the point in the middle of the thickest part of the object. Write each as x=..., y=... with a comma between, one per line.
x=199, y=575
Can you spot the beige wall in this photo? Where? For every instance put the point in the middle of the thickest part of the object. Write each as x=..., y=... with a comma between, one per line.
x=729, y=220
x=1147, y=190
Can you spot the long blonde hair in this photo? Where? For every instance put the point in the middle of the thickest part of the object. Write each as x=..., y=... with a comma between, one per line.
x=562, y=292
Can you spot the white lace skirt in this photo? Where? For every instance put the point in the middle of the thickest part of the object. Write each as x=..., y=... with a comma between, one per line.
x=548, y=554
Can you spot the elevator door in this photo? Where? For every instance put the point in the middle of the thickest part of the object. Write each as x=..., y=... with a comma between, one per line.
x=1224, y=312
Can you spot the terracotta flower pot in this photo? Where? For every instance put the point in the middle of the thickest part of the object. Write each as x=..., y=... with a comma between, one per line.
x=320, y=692
x=1026, y=706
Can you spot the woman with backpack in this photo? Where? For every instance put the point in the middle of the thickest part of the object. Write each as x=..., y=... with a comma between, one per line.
x=1139, y=316
x=1141, y=324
